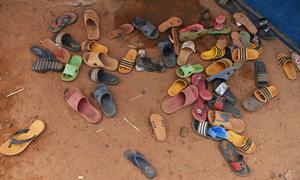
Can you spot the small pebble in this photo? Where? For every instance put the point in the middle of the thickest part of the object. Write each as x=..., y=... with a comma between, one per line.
x=81, y=177
x=184, y=131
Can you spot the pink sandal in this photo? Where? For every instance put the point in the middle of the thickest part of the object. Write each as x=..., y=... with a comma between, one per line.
x=198, y=111
x=199, y=81
x=194, y=27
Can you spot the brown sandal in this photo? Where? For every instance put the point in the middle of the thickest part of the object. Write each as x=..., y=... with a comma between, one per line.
x=91, y=22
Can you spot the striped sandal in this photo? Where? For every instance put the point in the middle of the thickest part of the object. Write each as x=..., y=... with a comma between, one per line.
x=93, y=46
x=127, y=62
x=201, y=128
x=218, y=66
x=287, y=65
x=241, y=55
x=242, y=143
x=214, y=53
x=43, y=65
x=261, y=75
x=257, y=45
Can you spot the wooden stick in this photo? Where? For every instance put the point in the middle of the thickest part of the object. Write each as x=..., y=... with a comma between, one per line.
x=16, y=92
x=131, y=124
x=136, y=97
x=99, y=130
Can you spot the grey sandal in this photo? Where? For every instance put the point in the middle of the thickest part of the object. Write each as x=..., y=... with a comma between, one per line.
x=44, y=65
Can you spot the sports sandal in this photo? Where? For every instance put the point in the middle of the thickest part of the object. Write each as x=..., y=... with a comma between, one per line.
x=105, y=100
x=202, y=127
x=91, y=22
x=62, y=21
x=287, y=65
x=214, y=53
x=174, y=38
x=127, y=62
x=123, y=29
x=218, y=66
x=177, y=86
x=171, y=22
x=241, y=55
x=242, y=143
x=99, y=75
x=261, y=75
x=188, y=69
x=198, y=80
x=44, y=65
x=198, y=111
x=93, y=46
x=158, y=126
x=67, y=41
x=145, y=27
x=186, y=50
x=60, y=53
x=221, y=104
x=168, y=53
x=42, y=53
x=72, y=68
x=296, y=58
x=242, y=19
x=101, y=60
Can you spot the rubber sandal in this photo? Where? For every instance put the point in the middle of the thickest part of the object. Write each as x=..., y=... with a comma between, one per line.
x=229, y=5
x=93, y=46
x=158, y=126
x=67, y=41
x=245, y=38
x=261, y=75
x=201, y=128
x=168, y=53
x=145, y=27
x=236, y=39
x=192, y=35
x=218, y=118
x=241, y=55
x=78, y=102
x=105, y=100
x=44, y=65
x=189, y=69
x=138, y=160
x=99, y=75
x=219, y=22
x=62, y=21
x=21, y=139
x=177, y=86
x=234, y=159
x=224, y=31
x=171, y=22
x=242, y=143
x=127, y=62
x=198, y=80
x=198, y=111
x=185, y=98
x=42, y=53
x=263, y=29
x=219, y=103
x=296, y=58
x=72, y=68
x=218, y=66
x=224, y=75
x=257, y=45
x=214, y=53
x=193, y=27
x=173, y=38
x=60, y=53
x=244, y=20
x=91, y=22
x=101, y=60
x=222, y=43
x=222, y=89
x=186, y=50
x=287, y=65
x=121, y=30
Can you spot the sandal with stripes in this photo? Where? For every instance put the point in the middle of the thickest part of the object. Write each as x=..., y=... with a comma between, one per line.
x=261, y=75
x=202, y=127
x=215, y=52
x=127, y=62
x=241, y=55
x=242, y=143
x=288, y=66
x=43, y=65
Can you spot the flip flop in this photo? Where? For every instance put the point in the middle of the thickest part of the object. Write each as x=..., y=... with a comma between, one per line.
x=219, y=103
x=202, y=127
x=173, y=38
x=261, y=75
x=171, y=22
x=236, y=39
x=234, y=159
x=105, y=100
x=243, y=20
x=91, y=22
x=225, y=74
x=78, y=102
x=245, y=38
x=72, y=68
x=287, y=65
x=218, y=118
x=198, y=80
x=138, y=160
x=123, y=29
x=168, y=53
x=218, y=66
x=189, y=69
x=242, y=143
x=145, y=27
x=60, y=53
x=186, y=97
x=187, y=49
x=67, y=41
x=214, y=53
x=177, y=86
x=62, y=21
x=21, y=139
x=193, y=27
x=127, y=62
x=192, y=35
x=42, y=53
x=241, y=55
x=93, y=46
x=101, y=60
x=44, y=65
x=224, y=31
x=222, y=89
x=158, y=126
x=198, y=111
x=229, y=5
x=296, y=58
x=99, y=75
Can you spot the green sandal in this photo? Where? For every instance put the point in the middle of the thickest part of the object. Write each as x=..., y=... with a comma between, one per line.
x=189, y=69
x=192, y=35
x=72, y=68
x=213, y=31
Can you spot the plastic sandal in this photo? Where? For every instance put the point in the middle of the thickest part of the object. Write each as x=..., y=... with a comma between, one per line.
x=218, y=66
x=62, y=21
x=192, y=35
x=198, y=80
x=296, y=58
x=127, y=62
x=145, y=27
x=42, y=53
x=91, y=22
x=186, y=50
x=123, y=29
x=222, y=89
x=213, y=31
x=225, y=74
x=72, y=68
x=171, y=22
x=188, y=69
x=101, y=60
x=261, y=75
x=193, y=27
x=242, y=143
x=67, y=41
x=99, y=75
x=60, y=53
x=93, y=46
x=243, y=20
x=168, y=53
x=44, y=65
x=287, y=65
x=221, y=104
x=241, y=55
x=215, y=52
x=201, y=128
x=105, y=100
x=158, y=126
x=198, y=111
x=177, y=86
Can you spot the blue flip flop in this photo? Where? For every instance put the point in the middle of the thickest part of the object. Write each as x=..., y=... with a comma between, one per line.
x=42, y=53
x=105, y=100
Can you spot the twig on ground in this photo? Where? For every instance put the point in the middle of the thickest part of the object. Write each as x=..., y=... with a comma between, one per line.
x=16, y=92
x=99, y=130
x=131, y=124
x=134, y=98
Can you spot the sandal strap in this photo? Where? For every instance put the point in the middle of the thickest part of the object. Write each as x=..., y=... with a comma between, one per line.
x=219, y=52
x=202, y=128
x=86, y=46
x=126, y=64
x=246, y=146
x=262, y=77
x=94, y=75
x=17, y=141
x=283, y=60
x=243, y=55
x=266, y=93
x=238, y=165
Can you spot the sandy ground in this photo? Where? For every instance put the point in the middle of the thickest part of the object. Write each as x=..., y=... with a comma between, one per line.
x=70, y=147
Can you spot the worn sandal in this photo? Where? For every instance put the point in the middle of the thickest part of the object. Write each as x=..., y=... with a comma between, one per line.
x=188, y=69
x=198, y=80
x=186, y=50
x=218, y=66
x=171, y=22
x=99, y=75
x=192, y=35
x=93, y=46
x=42, y=53
x=101, y=60
x=44, y=65
x=174, y=38
x=221, y=104
x=261, y=75
x=127, y=62
x=177, y=86
x=243, y=20
x=168, y=53
x=145, y=27
x=72, y=68
x=121, y=30
x=241, y=55
x=91, y=22
x=60, y=53
x=62, y=21
x=287, y=65
x=202, y=127
x=242, y=143
x=215, y=52
x=224, y=31
x=158, y=126
x=105, y=100
x=67, y=41
x=198, y=111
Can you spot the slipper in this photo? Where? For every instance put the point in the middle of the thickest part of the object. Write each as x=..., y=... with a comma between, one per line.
x=177, y=86
x=218, y=66
x=93, y=46
x=174, y=38
x=99, y=75
x=229, y=5
x=67, y=41
x=91, y=22
x=78, y=102
x=21, y=139
x=219, y=103
x=296, y=58
x=186, y=97
x=44, y=65
x=224, y=31
x=257, y=45
x=62, y=21
x=189, y=69
x=105, y=100
x=241, y=55
x=245, y=38
x=236, y=39
x=186, y=50
x=219, y=22
x=198, y=111
x=145, y=27
x=234, y=159
x=193, y=27
x=214, y=53
x=225, y=74
x=198, y=80
x=168, y=53
x=242, y=143
x=121, y=30
x=60, y=53
x=171, y=22
x=158, y=126
x=222, y=89
x=201, y=128
x=101, y=60
x=218, y=118
x=243, y=20
x=138, y=160
x=261, y=75
x=127, y=62
x=72, y=68
x=42, y=53
x=287, y=65
x=192, y=35
x=263, y=29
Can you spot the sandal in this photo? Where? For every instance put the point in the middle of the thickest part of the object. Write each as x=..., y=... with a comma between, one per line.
x=202, y=127
x=192, y=35
x=93, y=46
x=215, y=52
x=241, y=55
x=218, y=66
x=44, y=65
x=67, y=41
x=242, y=143
x=287, y=65
x=168, y=53
x=62, y=21
x=189, y=69
x=99, y=75
x=72, y=68
x=173, y=38
x=221, y=104
x=198, y=80
x=42, y=53
x=242, y=19
x=198, y=111
x=296, y=58
x=158, y=126
x=101, y=60
x=171, y=22
x=127, y=62
x=245, y=38
x=257, y=45
x=224, y=75
x=224, y=31
x=177, y=86
x=60, y=53
x=187, y=49
x=236, y=39
x=105, y=100
x=91, y=22
x=145, y=27
x=261, y=75
x=193, y=27
x=222, y=89
x=121, y=30
x=146, y=63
